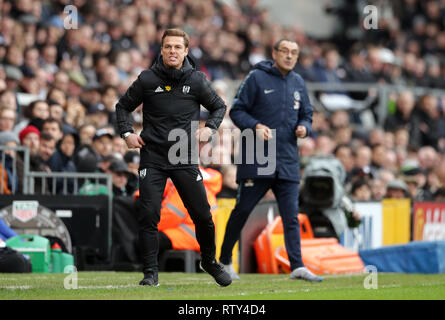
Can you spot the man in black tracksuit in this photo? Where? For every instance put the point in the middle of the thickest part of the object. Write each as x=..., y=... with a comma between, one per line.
x=171, y=92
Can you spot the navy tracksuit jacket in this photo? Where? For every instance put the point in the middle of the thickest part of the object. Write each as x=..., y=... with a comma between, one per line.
x=281, y=103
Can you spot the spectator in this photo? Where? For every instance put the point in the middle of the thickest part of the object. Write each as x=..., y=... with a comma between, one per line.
x=102, y=142
x=87, y=133
x=7, y=119
x=361, y=191
x=378, y=189
x=53, y=127
x=397, y=189
x=119, y=172
x=30, y=137
x=35, y=114
x=402, y=116
x=14, y=171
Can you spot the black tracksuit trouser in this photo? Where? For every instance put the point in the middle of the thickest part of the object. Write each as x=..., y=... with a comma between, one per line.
x=189, y=183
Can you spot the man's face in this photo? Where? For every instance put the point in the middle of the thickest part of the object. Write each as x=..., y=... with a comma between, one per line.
x=173, y=51
x=53, y=129
x=32, y=141
x=7, y=120
x=46, y=149
x=286, y=56
x=120, y=179
x=103, y=146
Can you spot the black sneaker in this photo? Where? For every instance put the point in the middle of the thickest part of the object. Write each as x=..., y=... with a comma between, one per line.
x=216, y=270
x=150, y=279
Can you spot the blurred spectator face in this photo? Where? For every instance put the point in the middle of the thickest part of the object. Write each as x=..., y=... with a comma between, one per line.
x=86, y=134
x=401, y=138
x=103, y=146
x=429, y=106
x=8, y=99
x=362, y=193
x=343, y=135
x=286, y=56
x=319, y=122
x=428, y=157
x=111, y=76
x=53, y=129
x=68, y=145
x=306, y=147
x=49, y=54
x=15, y=56
x=379, y=155
x=120, y=179
x=376, y=136
x=32, y=141
x=61, y=81
x=395, y=194
x=389, y=140
x=363, y=157
x=46, y=148
x=405, y=103
x=32, y=58
x=390, y=160
x=340, y=119
x=58, y=96
x=119, y=145
x=331, y=59
x=56, y=111
x=40, y=110
x=324, y=145
x=378, y=189
x=173, y=51
x=109, y=98
x=7, y=119
x=386, y=176
x=344, y=154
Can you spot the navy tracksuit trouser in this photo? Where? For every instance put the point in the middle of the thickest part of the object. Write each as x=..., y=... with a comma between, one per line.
x=286, y=194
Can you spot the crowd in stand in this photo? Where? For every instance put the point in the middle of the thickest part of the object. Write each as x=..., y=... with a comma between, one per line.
x=59, y=86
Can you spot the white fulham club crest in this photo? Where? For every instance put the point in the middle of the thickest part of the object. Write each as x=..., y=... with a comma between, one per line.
x=142, y=173
x=185, y=89
x=297, y=99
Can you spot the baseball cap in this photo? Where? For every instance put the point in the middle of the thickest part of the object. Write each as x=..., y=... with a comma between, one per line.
x=102, y=132
x=118, y=166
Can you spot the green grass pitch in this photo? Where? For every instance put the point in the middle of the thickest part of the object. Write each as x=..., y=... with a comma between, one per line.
x=200, y=286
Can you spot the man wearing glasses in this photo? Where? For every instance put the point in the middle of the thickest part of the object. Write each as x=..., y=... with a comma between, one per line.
x=272, y=100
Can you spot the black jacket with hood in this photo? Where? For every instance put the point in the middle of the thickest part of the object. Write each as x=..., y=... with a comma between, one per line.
x=171, y=101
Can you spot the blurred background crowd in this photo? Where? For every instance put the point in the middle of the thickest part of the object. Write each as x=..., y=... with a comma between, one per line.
x=59, y=86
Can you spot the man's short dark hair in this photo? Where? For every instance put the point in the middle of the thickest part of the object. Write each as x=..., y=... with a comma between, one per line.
x=277, y=44
x=176, y=33
x=53, y=120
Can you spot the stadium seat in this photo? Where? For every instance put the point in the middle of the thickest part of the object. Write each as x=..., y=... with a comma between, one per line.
x=320, y=255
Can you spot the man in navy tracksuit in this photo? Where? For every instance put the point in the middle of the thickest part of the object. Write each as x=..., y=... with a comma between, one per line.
x=274, y=102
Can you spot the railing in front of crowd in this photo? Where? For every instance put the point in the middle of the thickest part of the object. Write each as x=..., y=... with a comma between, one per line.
x=328, y=96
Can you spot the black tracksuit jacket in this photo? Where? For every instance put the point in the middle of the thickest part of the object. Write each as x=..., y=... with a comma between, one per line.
x=171, y=100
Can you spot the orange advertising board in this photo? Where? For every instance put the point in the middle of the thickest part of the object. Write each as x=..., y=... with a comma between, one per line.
x=429, y=221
